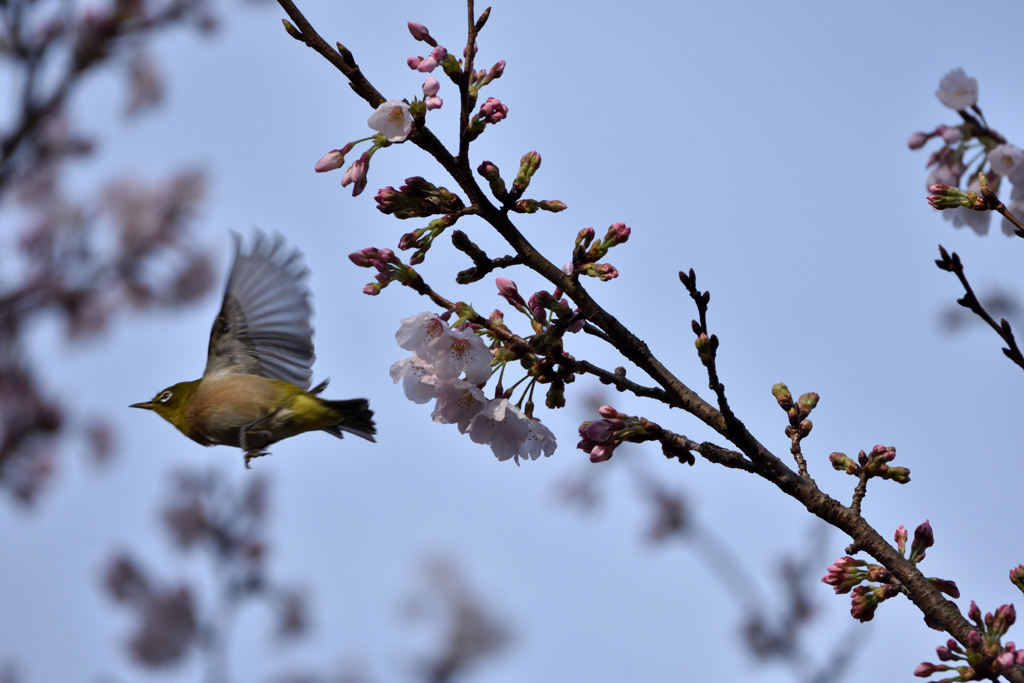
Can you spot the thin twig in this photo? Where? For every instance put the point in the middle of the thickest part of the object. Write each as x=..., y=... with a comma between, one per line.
x=951, y=263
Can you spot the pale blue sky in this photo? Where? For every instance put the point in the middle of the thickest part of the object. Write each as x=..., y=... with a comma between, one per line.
x=763, y=144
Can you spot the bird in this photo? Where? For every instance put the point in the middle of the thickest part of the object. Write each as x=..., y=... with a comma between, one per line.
x=255, y=390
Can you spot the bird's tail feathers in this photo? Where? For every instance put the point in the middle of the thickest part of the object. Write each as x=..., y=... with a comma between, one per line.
x=358, y=418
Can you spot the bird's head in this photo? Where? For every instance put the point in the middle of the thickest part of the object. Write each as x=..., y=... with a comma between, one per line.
x=170, y=403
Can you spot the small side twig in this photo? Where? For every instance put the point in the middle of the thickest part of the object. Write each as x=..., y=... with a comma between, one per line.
x=707, y=346
x=951, y=263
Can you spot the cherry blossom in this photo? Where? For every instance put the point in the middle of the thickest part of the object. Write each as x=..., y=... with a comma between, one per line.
x=417, y=377
x=417, y=332
x=539, y=440
x=460, y=352
x=393, y=120
x=1008, y=160
x=458, y=402
x=503, y=427
x=957, y=90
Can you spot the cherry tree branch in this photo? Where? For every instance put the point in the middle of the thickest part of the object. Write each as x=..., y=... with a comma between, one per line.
x=951, y=263
x=752, y=456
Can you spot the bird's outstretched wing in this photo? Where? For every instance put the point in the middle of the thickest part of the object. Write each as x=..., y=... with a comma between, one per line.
x=263, y=327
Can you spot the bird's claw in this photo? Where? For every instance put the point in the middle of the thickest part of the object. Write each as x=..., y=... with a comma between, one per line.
x=249, y=455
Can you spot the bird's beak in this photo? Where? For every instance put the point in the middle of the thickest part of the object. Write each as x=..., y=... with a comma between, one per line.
x=148, y=405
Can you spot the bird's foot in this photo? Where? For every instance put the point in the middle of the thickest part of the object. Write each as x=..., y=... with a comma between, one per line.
x=249, y=455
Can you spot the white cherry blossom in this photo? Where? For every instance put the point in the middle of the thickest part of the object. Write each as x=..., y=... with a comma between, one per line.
x=539, y=440
x=458, y=402
x=418, y=331
x=417, y=377
x=502, y=426
x=1008, y=160
x=458, y=352
x=957, y=90
x=392, y=119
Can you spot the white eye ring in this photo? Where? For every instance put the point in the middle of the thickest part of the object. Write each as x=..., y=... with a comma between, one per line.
x=164, y=397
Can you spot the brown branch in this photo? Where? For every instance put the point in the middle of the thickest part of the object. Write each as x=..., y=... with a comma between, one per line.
x=951, y=263
x=761, y=461
x=312, y=39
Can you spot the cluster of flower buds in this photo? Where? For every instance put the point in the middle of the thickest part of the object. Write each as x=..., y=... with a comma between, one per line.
x=492, y=111
x=588, y=251
x=482, y=78
x=562, y=314
x=450, y=365
x=423, y=238
x=417, y=199
x=875, y=464
x=1017, y=577
x=393, y=121
x=959, y=91
x=389, y=268
x=985, y=657
x=430, y=89
x=799, y=426
x=601, y=437
x=945, y=197
x=355, y=175
x=438, y=56
x=847, y=574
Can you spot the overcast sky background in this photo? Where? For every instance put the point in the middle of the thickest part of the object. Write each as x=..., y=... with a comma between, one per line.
x=763, y=144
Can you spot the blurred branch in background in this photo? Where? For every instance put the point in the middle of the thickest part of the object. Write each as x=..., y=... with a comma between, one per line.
x=772, y=627
x=130, y=247
x=469, y=632
x=205, y=514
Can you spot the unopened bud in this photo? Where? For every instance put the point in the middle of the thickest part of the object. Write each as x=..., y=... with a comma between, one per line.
x=1017, y=577
x=917, y=140
x=901, y=539
x=780, y=391
x=807, y=402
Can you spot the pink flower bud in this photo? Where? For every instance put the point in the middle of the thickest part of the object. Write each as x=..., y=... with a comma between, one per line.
x=433, y=103
x=601, y=431
x=427, y=65
x=1005, y=660
x=974, y=641
x=952, y=135
x=439, y=54
x=917, y=141
x=608, y=412
x=418, y=31
x=508, y=289
x=359, y=167
x=358, y=187
x=408, y=241
x=600, y=453
x=576, y=326
x=1017, y=576
x=497, y=70
x=924, y=669
x=414, y=62
x=372, y=289
x=430, y=86
x=901, y=539
x=330, y=161
x=362, y=257
x=924, y=538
